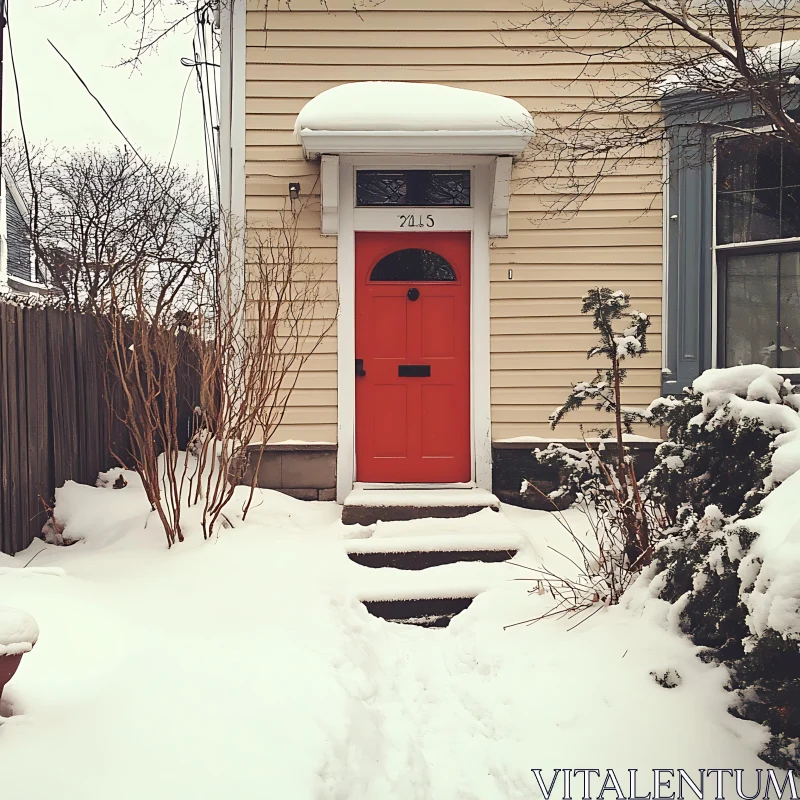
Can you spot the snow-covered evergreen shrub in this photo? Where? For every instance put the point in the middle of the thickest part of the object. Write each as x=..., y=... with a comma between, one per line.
x=719, y=441
x=606, y=481
x=731, y=439
x=601, y=477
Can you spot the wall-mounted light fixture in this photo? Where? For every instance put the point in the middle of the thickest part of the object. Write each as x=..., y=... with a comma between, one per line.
x=294, y=191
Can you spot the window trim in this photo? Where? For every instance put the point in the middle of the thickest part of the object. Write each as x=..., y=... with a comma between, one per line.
x=692, y=122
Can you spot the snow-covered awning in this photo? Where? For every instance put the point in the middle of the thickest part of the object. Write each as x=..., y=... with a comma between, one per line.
x=394, y=117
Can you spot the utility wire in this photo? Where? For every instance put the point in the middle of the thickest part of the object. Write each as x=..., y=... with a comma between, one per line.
x=103, y=109
x=118, y=129
x=180, y=116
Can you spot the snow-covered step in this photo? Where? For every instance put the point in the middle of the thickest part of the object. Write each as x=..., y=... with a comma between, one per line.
x=428, y=597
x=422, y=552
x=366, y=505
x=423, y=612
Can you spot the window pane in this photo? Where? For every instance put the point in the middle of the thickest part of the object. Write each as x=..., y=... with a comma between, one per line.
x=751, y=311
x=790, y=213
x=413, y=187
x=748, y=216
x=447, y=189
x=381, y=188
x=790, y=310
x=791, y=165
x=412, y=265
x=748, y=162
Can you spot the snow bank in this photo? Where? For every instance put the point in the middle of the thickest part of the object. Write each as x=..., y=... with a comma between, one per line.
x=18, y=631
x=398, y=106
x=247, y=667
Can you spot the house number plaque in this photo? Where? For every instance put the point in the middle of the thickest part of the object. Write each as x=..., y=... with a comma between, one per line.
x=416, y=220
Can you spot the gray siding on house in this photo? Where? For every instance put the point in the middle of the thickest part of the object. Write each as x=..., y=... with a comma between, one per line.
x=19, y=242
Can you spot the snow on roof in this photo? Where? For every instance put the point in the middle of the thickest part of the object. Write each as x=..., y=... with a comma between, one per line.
x=767, y=60
x=397, y=106
x=416, y=110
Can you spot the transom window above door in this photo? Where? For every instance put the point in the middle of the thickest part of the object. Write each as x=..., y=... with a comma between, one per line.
x=412, y=187
x=758, y=251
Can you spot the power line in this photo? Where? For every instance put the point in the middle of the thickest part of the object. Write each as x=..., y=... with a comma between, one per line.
x=103, y=109
x=180, y=116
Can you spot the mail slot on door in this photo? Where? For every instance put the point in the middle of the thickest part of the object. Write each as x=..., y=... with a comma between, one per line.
x=414, y=371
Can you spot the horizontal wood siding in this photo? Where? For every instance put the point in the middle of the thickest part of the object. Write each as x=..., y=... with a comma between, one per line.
x=538, y=338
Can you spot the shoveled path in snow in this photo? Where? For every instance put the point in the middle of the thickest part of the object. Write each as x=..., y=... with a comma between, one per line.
x=245, y=667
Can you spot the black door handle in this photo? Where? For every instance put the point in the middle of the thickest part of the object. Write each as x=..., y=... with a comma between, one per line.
x=360, y=371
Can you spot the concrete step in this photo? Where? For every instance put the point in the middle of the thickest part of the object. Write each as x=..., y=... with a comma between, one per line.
x=424, y=572
x=422, y=552
x=430, y=612
x=366, y=505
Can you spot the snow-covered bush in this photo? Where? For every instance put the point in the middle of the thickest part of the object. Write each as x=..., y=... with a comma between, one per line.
x=717, y=517
x=719, y=443
x=732, y=438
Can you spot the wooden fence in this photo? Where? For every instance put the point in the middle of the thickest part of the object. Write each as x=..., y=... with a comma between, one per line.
x=54, y=420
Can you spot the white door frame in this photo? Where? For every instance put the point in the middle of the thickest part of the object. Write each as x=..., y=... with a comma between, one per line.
x=475, y=219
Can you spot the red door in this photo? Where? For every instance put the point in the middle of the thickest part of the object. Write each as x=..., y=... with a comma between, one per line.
x=412, y=357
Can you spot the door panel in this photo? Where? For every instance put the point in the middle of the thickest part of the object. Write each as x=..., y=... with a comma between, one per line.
x=439, y=321
x=416, y=428
x=391, y=441
x=437, y=430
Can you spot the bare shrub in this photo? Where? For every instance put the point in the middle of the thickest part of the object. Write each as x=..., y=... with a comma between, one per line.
x=143, y=321
x=255, y=338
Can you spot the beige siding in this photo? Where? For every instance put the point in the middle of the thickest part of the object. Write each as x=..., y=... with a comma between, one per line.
x=538, y=337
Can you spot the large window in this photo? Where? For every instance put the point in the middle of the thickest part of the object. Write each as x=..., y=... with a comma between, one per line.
x=758, y=250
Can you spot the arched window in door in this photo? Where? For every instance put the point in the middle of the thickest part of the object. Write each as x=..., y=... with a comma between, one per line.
x=413, y=265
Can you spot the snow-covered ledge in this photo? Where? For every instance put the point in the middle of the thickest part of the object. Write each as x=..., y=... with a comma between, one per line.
x=393, y=117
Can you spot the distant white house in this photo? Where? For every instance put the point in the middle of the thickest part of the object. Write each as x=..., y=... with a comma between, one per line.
x=17, y=264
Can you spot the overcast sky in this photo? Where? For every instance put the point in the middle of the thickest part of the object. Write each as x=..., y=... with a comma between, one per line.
x=56, y=107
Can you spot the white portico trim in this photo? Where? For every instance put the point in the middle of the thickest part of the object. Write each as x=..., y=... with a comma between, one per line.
x=400, y=126
x=316, y=143
x=413, y=119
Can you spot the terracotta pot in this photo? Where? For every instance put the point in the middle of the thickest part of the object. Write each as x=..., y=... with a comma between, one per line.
x=8, y=666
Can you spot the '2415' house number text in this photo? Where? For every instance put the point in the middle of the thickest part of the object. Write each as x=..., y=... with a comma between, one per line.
x=416, y=220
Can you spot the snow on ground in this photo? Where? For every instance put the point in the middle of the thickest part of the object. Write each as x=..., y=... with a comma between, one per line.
x=245, y=667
